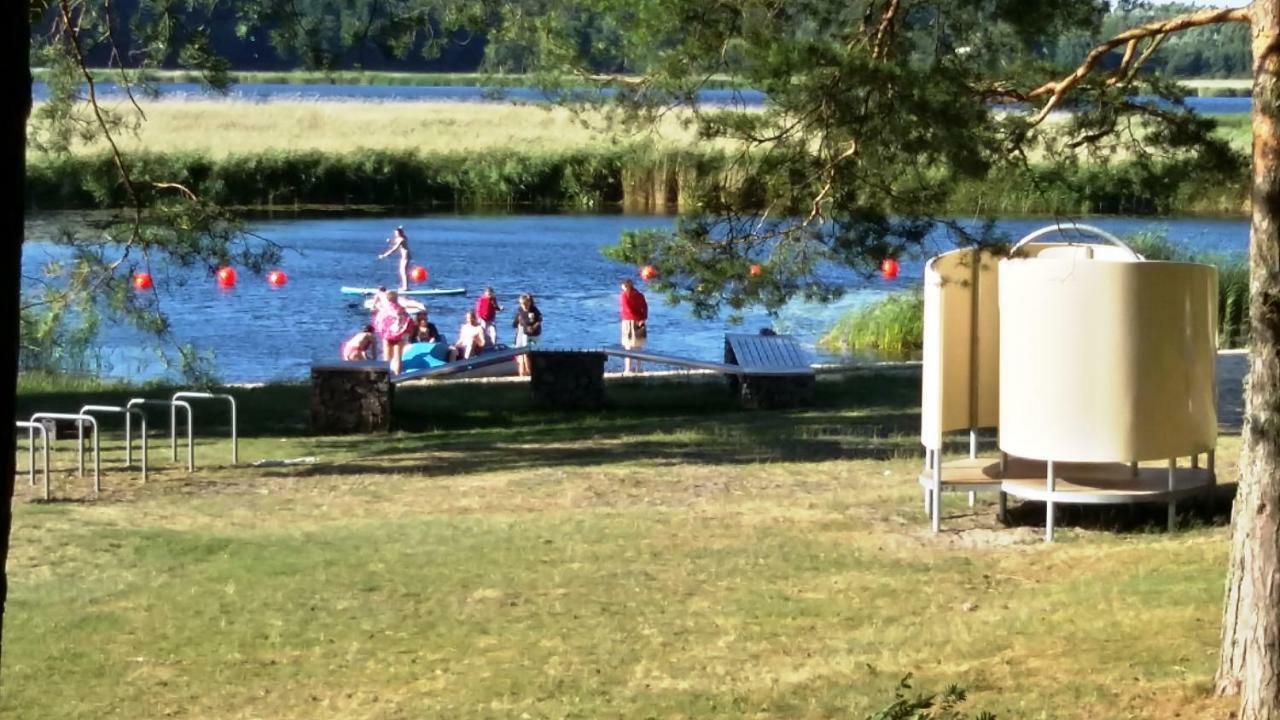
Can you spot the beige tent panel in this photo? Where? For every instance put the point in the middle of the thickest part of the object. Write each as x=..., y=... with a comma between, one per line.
x=960, y=388
x=1106, y=361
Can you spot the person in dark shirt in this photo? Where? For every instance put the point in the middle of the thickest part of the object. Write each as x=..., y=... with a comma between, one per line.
x=423, y=329
x=528, y=325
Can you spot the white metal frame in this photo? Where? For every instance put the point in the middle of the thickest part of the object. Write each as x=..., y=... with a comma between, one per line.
x=173, y=427
x=32, y=428
x=1064, y=228
x=1051, y=496
x=128, y=413
x=933, y=491
x=80, y=419
x=191, y=395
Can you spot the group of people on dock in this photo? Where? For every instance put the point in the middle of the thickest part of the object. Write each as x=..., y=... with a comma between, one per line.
x=409, y=336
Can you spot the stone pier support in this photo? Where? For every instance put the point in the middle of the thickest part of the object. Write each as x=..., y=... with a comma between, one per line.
x=567, y=380
x=352, y=397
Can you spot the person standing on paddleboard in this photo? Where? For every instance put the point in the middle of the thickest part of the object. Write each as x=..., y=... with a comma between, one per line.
x=400, y=242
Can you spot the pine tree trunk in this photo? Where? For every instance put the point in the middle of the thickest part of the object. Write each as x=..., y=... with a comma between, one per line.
x=1249, y=659
x=13, y=152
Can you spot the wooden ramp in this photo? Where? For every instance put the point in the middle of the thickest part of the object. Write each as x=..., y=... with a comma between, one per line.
x=664, y=359
x=767, y=354
x=461, y=366
x=498, y=358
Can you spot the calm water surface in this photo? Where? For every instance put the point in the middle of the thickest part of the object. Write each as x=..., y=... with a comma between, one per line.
x=259, y=333
x=267, y=92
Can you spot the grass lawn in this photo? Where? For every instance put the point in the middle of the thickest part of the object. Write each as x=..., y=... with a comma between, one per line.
x=670, y=557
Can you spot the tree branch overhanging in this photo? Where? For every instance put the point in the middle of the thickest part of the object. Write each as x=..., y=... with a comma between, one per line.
x=1058, y=89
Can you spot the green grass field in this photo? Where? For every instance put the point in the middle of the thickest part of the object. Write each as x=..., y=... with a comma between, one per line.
x=669, y=557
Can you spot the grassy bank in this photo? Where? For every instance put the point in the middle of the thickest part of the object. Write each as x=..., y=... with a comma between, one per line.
x=640, y=176
x=428, y=155
x=692, y=561
x=220, y=128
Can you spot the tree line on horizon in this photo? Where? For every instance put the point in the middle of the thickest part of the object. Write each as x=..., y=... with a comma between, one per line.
x=357, y=37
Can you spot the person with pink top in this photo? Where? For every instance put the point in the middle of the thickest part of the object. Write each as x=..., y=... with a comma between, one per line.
x=634, y=310
x=487, y=309
x=393, y=325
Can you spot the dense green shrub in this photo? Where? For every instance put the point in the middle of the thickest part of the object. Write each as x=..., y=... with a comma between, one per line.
x=637, y=176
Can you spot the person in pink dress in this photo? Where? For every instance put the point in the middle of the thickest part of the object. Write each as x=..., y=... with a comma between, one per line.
x=487, y=309
x=393, y=324
x=634, y=310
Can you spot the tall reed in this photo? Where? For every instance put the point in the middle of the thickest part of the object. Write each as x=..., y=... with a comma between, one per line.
x=893, y=325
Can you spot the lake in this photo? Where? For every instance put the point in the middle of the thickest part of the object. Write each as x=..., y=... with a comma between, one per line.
x=260, y=333
x=267, y=92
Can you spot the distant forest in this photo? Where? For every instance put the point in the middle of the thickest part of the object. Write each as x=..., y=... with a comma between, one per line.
x=338, y=36
x=1215, y=51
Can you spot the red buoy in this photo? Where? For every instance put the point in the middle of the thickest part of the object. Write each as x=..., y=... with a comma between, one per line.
x=277, y=278
x=226, y=277
x=142, y=281
x=756, y=270
x=419, y=274
x=889, y=268
x=648, y=272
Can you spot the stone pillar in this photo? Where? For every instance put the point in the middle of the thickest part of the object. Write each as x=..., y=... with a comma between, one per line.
x=567, y=380
x=350, y=397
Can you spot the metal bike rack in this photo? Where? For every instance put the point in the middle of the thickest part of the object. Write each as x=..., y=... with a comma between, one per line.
x=173, y=426
x=128, y=413
x=173, y=416
x=32, y=428
x=81, y=419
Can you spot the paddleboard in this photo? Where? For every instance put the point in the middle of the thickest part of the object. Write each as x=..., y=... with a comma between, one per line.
x=402, y=293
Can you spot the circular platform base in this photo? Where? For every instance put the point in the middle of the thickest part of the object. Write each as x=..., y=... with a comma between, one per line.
x=1078, y=483
x=1148, y=485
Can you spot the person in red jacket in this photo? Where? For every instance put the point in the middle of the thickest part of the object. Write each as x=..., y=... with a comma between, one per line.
x=487, y=309
x=635, y=317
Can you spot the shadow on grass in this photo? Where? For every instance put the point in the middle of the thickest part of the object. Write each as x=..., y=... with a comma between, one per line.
x=282, y=410
x=725, y=439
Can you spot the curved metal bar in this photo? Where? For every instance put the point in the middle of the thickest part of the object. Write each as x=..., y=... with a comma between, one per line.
x=128, y=413
x=173, y=426
x=32, y=428
x=235, y=441
x=80, y=419
x=1064, y=228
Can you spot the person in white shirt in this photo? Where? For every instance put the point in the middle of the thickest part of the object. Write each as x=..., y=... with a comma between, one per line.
x=471, y=337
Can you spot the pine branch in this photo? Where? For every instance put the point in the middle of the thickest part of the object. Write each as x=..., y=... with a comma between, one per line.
x=1056, y=90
